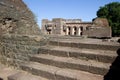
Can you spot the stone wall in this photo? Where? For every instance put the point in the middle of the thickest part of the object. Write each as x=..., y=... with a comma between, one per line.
x=99, y=29
x=16, y=49
x=19, y=33
x=98, y=32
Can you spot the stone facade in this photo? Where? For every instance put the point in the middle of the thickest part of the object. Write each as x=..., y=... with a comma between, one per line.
x=75, y=27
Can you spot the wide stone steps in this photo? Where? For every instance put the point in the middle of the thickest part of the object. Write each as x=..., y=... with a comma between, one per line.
x=105, y=56
x=55, y=73
x=86, y=44
x=79, y=59
x=72, y=63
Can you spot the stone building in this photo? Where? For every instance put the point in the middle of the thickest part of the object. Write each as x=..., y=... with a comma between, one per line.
x=75, y=27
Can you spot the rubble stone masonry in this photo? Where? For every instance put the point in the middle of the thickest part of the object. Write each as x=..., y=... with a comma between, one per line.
x=16, y=49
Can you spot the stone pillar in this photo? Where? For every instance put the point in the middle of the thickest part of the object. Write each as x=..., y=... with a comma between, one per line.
x=79, y=31
x=72, y=31
x=67, y=30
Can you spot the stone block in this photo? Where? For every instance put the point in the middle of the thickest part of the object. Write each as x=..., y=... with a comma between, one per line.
x=59, y=53
x=99, y=32
x=23, y=76
x=53, y=43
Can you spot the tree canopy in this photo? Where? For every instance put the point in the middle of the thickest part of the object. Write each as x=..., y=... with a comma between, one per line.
x=111, y=11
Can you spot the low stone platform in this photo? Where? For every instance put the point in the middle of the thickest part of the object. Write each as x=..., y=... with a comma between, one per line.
x=112, y=41
x=79, y=42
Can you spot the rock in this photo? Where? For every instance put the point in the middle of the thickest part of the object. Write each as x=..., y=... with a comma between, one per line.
x=101, y=22
x=16, y=18
x=38, y=38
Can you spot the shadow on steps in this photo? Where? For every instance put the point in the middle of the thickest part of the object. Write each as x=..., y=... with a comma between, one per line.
x=1, y=79
x=114, y=72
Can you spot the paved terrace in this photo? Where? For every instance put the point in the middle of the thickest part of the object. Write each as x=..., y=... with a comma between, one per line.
x=68, y=39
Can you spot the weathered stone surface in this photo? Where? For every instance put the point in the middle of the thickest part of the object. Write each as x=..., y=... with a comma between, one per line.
x=86, y=54
x=99, y=32
x=86, y=43
x=24, y=76
x=40, y=70
x=71, y=63
x=6, y=71
x=16, y=18
x=99, y=29
x=16, y=49
x=55, y=73
x=78, y=59
x=9, y=73
x=101, y=22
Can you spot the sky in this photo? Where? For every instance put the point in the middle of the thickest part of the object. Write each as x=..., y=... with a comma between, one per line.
x=67, y=9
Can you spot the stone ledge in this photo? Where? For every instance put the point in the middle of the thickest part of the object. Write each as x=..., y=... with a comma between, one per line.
x=55, y=73
x=25, y=76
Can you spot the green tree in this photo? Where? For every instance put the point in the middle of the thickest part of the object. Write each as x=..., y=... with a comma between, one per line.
x=111, y=11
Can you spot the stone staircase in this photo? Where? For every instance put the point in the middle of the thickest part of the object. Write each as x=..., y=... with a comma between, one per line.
x=65, y=59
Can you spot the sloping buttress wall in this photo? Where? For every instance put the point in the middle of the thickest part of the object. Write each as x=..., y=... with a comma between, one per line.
x=16, y=49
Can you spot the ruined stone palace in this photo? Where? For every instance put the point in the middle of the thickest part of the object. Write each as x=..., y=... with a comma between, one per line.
x=76, y=27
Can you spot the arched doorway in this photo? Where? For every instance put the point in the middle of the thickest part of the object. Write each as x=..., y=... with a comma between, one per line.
x=68, y=30
x=81, y=32
x=75, y=30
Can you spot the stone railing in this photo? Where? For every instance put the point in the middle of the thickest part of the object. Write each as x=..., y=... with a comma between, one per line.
x=16, y=49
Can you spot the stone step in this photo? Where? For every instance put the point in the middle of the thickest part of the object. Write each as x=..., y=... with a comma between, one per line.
x=86, y=44
x=72, y=63
x=55, y=73
x=25, y=76
x=64, y=37
x=97, y=55
x=9, y=73
x=6, y=71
